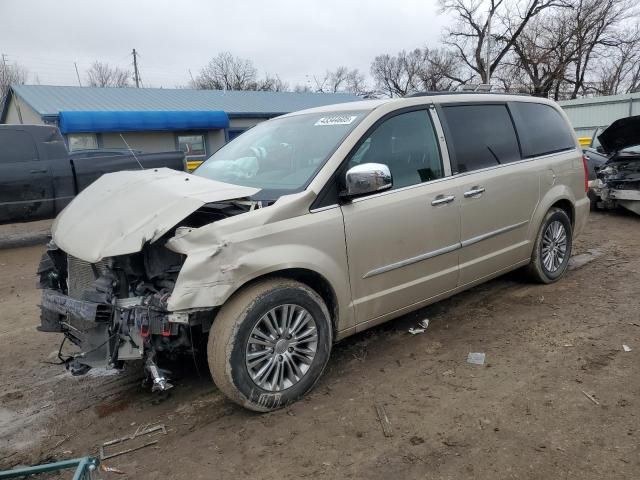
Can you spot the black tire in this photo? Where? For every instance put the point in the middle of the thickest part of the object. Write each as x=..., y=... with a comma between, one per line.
x=536, y=269
x=233, y=326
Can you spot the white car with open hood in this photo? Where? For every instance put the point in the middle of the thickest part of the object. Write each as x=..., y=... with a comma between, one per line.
x=308, y=228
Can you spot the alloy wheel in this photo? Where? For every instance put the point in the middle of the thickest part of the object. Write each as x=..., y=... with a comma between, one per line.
x=281, y=347
x=554, y=246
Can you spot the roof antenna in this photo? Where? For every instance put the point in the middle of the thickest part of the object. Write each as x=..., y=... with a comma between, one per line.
x=132, y=152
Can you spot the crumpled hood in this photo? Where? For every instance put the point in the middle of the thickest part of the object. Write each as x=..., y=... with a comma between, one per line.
x=120, y=212
x=623, y=133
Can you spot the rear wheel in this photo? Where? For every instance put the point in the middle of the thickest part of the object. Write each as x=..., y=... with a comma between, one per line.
x=270, y=343
x=552, y=248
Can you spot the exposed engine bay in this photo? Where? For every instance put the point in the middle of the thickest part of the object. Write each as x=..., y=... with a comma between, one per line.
x=618, y=179
x=618, y=182
x=115, y=310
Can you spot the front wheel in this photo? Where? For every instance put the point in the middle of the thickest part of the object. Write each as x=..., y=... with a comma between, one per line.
x=269, y=344
x=552, y=248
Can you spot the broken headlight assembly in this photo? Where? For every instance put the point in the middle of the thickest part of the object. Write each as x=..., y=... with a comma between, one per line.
x=115, y=310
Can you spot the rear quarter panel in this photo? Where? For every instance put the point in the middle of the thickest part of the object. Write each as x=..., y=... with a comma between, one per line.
x=562, y=179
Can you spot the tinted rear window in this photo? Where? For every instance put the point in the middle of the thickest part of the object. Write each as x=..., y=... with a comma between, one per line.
x=541, y=129
x=480, y=136
x=17, y=146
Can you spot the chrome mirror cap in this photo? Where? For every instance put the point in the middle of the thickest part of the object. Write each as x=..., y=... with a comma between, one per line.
x=367, y=178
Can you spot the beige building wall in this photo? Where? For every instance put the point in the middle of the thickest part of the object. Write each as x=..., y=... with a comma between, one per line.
x=215, y=140
x=29, y=115
x=159, y=141
x=244, y=122
x=145, y=141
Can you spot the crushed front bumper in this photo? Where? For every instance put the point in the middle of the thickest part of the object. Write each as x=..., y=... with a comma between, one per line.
x=64, y=305
x=105, y=333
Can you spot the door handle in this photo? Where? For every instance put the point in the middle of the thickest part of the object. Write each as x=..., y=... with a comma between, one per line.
x=441, y=200
x=474, y=192
x=42, y=170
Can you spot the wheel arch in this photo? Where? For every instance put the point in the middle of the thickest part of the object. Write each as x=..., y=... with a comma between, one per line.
x=559, y=196
x=311, y=278
x=568, y=207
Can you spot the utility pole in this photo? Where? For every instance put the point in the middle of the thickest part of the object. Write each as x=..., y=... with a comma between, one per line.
x=4, y=69
x=77, y=74
x=3, y=81
x=489, y=48
x=136, y=74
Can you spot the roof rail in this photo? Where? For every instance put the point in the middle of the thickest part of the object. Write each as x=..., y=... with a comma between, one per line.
x=483, y=88
x=448, y=92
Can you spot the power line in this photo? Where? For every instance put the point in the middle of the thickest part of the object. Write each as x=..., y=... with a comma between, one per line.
x=65, y=71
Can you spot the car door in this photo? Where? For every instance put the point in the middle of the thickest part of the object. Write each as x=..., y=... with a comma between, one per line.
x=26, y=186
x=402, y=243
x=500, y=192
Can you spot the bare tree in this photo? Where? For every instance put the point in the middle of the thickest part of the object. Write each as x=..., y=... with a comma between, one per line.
x=419, y=69
x=508, y=18
x=441, y=70
x=596, y=24
x=101, y=74
x=227, y=72
x=617, y=72
x=299, y=88
x=511, y=78
x=398, y=75
x=11, y=74
x=342, y=79
x=542, y=53
x=271, y=83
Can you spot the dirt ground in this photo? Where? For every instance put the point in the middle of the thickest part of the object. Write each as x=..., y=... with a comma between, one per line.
x=524, y=414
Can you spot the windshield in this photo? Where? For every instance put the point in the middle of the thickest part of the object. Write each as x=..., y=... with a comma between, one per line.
x=283, y=155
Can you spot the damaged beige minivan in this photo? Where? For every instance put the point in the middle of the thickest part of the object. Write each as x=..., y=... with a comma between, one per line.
x=308, y=228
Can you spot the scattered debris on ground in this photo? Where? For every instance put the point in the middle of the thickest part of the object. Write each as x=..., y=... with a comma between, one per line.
x=590, y=397
x=141, y=431
x=476, y=358
x=384, y=420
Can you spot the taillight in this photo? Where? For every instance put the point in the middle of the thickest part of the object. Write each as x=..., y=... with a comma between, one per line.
x=586, y=173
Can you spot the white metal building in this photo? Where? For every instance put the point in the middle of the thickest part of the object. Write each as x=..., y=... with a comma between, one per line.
x=587, y=114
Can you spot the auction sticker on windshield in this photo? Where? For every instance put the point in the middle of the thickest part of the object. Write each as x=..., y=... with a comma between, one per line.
x=336, y=120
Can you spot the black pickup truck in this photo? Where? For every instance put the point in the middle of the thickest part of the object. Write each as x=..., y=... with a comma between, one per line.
x=39, y=177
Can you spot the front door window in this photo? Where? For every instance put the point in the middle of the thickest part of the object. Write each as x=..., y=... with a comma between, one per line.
x=407, y=144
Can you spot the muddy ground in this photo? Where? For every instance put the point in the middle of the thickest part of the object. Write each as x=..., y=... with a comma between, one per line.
x=523, y=414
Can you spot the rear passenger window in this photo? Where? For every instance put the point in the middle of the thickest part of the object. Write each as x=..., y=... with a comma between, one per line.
x=480, y=136
x=407, y=144
x=17, y=146
x=541, y=129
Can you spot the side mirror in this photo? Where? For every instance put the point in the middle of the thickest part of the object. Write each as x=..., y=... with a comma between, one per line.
x=367, y=178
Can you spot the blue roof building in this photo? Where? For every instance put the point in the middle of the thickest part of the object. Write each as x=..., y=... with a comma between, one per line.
x=153, y=119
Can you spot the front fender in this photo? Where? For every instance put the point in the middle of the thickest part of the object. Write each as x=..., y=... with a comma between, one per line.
x=220, y=262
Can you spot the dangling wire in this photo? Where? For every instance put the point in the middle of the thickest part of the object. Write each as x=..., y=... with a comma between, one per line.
x=193, y=352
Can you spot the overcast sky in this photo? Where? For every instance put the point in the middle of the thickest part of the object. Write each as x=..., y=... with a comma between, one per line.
x=295, y=39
